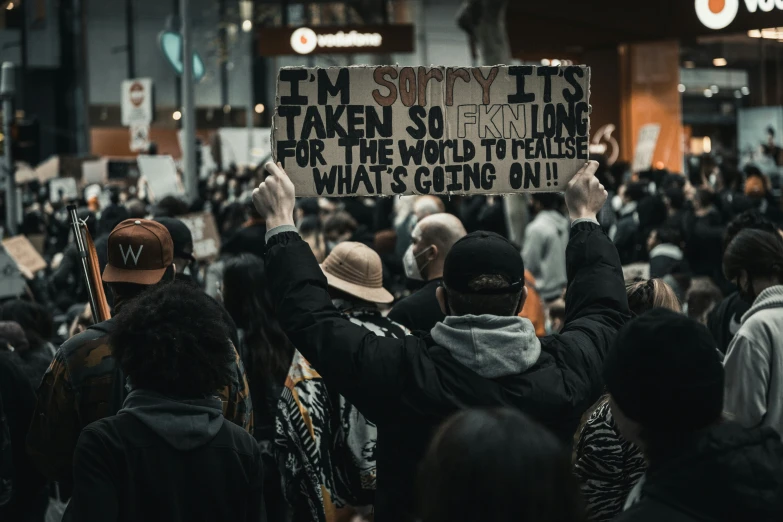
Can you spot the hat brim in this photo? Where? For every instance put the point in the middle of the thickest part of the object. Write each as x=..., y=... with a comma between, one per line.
x=373, y=295
x=112, y=274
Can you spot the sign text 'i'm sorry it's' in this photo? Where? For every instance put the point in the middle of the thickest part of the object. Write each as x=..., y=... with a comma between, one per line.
x=387, y=130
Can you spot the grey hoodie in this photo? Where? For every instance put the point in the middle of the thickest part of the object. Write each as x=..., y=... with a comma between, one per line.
x=546, y=239
x=184, y=424
x=490, y=345
x=754, y=364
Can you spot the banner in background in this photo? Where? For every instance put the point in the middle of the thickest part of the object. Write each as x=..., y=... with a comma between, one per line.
x=206, y=239
x=645, y=147
x=387, y=130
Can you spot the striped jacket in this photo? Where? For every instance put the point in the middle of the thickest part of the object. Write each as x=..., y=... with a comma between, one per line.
x=606, y=465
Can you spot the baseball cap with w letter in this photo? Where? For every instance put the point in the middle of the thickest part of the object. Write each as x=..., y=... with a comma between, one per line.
x=140, y=251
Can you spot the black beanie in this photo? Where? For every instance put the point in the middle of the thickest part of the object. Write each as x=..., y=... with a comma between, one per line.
x=664, y=371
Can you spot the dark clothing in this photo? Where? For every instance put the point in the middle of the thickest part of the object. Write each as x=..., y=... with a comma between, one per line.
x=704, y=245
x=725, y=319
x=84, y=384
x=24, y=498
x=667, y=259
x=727, y=474
x=626, y=234
x=167, y=463
x=477, y=214
x=409, y=386
x=67, y=281
x=248, y=239
x=420, y=311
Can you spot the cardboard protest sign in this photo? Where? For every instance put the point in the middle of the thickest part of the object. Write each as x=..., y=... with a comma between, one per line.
x=160, y=173
x=12, y=283
x=388, y=130
x=24, y=253
x=63, y=188
x=645, y=147
x=95, y=171
x=206, y=239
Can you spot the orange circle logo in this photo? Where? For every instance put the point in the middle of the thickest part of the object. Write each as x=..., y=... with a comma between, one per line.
x=717, y=14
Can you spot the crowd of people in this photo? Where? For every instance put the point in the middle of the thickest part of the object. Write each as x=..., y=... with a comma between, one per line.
x=619, y=357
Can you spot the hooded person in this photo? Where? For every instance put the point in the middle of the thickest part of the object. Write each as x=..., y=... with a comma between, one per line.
x=754, y=360
x=665, y=382
x=546, y=238
x=169, y=454
x=83, y=382
x=327, y=446
x=481, y=355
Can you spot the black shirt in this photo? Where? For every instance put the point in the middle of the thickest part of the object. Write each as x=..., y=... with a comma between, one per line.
x=419, y=311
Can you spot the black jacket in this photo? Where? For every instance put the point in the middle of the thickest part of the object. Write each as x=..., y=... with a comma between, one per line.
x=22, y=494
x=420, y=311
x=409, y=386
x=729, y=474
x=164, y=463
x=725, y=319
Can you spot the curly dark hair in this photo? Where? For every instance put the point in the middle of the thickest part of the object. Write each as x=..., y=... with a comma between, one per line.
x=172, y=339
x=750, y=219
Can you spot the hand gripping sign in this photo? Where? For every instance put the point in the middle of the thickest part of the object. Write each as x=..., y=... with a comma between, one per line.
x=387, y=130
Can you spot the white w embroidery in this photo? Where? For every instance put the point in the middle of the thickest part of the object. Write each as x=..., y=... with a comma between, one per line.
x=130, y=254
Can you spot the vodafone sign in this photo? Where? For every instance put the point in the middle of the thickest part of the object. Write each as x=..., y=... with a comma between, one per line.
x=719, y=14
x=280, y=41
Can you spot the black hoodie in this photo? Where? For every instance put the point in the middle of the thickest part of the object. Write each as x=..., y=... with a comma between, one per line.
x=166, y=459
x=729, y=474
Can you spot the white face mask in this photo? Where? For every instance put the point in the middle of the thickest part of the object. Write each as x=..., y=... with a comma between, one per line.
x=617, y=203
x=412, y=270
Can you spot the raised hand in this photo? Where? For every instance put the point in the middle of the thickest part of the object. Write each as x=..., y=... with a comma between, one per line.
x=585, y=195
x=275, y=198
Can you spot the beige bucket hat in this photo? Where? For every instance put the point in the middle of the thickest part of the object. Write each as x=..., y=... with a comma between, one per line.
x=356, y=269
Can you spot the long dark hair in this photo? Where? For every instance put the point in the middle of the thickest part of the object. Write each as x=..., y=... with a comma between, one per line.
x=247, y=299
x=758, y=252
x=517, y=469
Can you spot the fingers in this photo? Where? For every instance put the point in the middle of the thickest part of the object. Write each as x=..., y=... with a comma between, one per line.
x=588, y=169
x=276, y=170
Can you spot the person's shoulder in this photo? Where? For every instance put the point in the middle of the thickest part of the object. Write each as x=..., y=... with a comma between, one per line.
x=88, y=352
x=236, y=438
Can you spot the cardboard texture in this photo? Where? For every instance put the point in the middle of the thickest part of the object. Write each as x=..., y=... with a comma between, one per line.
x=24, y=253
x=645, y=147
x=385, y=130
x=63, y=188
x=160, y=173
x=206, y=240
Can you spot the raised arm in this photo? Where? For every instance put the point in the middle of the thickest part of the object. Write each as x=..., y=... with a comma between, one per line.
x=369, y=371
x=596, y=303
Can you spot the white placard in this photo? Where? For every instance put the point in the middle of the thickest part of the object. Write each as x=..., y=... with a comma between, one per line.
x=645, y=147
x=136, y=99
x=236, y=148
x=139, y=137
x=63, y=188
x=160, y=173
x=94, y=171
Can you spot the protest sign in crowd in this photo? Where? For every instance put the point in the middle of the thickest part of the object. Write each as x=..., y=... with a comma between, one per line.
x=359, y=330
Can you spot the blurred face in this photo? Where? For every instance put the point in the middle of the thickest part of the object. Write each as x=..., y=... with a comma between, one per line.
x=325, y=209
x=423, y=252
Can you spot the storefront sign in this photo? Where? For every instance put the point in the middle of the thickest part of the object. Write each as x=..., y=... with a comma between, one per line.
x=719, y=14
x=388, y=130
x=280, y=41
